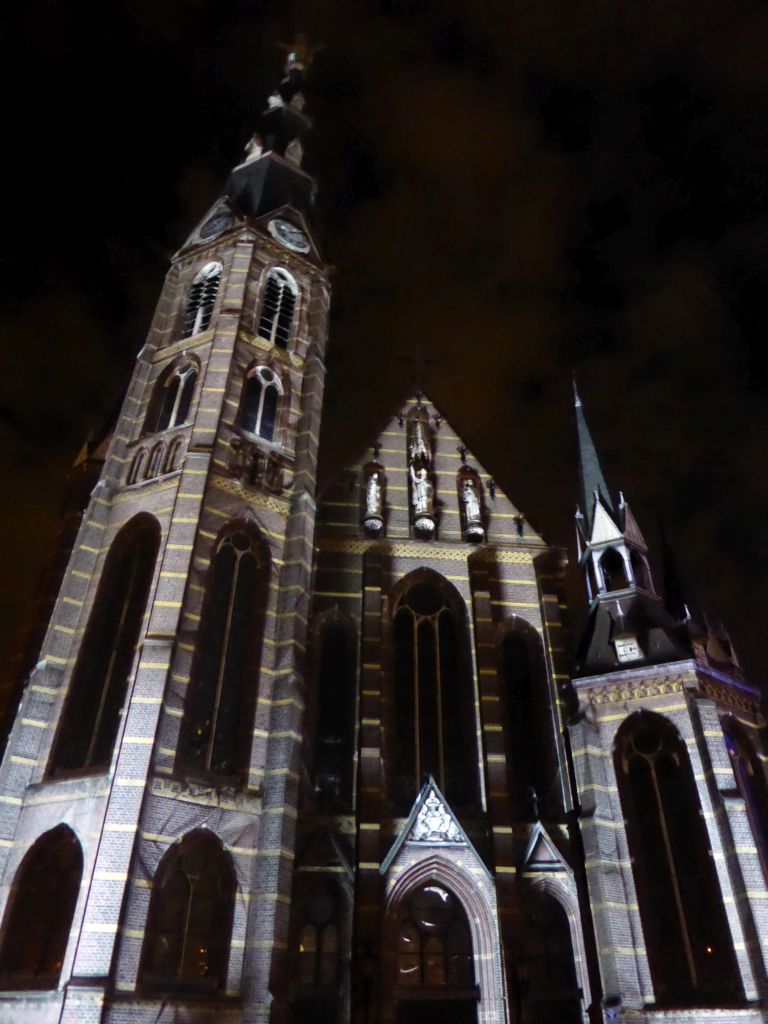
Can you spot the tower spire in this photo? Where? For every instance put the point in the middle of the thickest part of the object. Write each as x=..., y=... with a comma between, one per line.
x=590, y=471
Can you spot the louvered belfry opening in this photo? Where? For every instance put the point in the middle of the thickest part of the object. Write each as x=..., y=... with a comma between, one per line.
x=99, y=683
x=201, y=300
x=38, y=918
x=277, y=309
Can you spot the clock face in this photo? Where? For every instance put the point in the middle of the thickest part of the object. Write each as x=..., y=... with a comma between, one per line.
x=289, y=235
x=216, y=224
x=628, y=649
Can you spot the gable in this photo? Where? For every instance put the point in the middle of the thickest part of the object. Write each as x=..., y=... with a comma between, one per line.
x=341, y=508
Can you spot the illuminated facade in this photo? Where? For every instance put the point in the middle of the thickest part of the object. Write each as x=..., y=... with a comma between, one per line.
x=286, y=759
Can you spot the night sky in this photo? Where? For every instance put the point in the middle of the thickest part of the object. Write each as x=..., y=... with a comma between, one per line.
x=521, y=188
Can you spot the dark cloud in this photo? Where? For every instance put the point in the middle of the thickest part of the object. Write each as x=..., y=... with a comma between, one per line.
x=519, y=188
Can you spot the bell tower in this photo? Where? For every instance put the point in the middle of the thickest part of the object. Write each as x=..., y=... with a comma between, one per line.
x=148, y=789
x=667, y=745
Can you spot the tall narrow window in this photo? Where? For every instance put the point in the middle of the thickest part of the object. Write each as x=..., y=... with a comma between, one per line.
x=687, y=936
x=261, y=398
x=172, y=398
x=219, y=716
x=277, y=308
x=550, y=987
x=527, y=729
x=39, y=914
x=99, y=683
x=434, y=707
x=335, y=697
x=201, y=300
x=750, y=778
x=189, y=925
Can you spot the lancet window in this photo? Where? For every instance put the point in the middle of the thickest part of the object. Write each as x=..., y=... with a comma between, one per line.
x=614, y=570
x=261, y=400
x=99, y=683
x=334, y=739
x=434, y=707
x=689, y=945
x=201, y=300
x=172, y=398
x=38, y=918
x=189, y=925
x=319, y=934
x=219, y=716
x=750, y=778
x=527, y=727
x=278, y=307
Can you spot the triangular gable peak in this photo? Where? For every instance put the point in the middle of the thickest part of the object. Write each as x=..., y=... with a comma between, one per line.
x=342, y=506
x=631, y=529
x=324, y=850
x=431, y=823
x=542, y=854
x=604, y=530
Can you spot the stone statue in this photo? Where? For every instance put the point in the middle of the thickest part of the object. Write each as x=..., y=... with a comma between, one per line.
x=373, y=494
x=469, y=497
x=422, y=492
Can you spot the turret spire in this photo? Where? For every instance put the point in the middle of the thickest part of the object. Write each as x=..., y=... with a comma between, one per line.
x=590, y=472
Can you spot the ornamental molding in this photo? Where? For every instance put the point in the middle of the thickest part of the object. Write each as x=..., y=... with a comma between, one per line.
x=251, y=497
x=227, y=798
x=724, y=694
x=435, y=824
x=624, y=692
x=432, y=552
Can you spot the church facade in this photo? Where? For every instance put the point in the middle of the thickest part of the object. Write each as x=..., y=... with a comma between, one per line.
x=288, y=758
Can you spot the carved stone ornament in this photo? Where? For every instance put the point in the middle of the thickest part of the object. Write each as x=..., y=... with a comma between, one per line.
x=434, y=824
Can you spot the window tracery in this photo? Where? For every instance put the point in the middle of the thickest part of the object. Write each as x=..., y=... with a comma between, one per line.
x=189, y=925
x=172, y=397
x=219, y=717
x=434, y=943
x=689, y=945
x=260, y=405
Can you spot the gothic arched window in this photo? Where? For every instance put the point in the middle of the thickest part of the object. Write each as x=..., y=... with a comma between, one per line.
x=640, y=570
x=201, y=300
x=171, y=398
x=614, y=570
x=39, y=914
x=335, y=695
x=319, y=934
x=277, y=307
x=687, y=936
x=750, y=778
x=218, y=720
x=434, y=944
x=550, y=989
x=189, y=925
x=527, y=727
x=99, y=682
x=261, y=399
x=434, y=705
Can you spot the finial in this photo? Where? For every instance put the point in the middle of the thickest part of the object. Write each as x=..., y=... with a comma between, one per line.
x=300, y=53
x=576, y=399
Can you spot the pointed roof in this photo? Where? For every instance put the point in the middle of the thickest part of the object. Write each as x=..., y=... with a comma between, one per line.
x=590, y=472
x=542, y=853
x=430, y=823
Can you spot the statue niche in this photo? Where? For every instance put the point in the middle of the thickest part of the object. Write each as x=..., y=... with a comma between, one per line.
x=420, y=472
x=373, y=498
x=471, y=503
